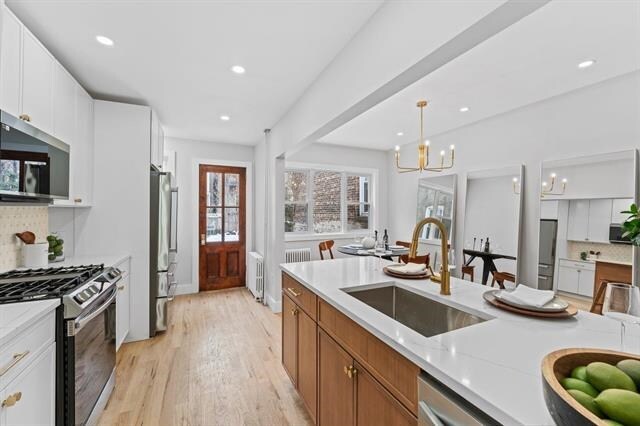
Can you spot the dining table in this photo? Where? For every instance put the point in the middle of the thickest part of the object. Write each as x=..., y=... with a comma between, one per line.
x=488, y=258
x=358, y=250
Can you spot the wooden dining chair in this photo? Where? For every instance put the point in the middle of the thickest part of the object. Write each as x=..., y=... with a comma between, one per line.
x=501, y=277
x=467, y=269
x=326, y=246
x=405, y=257
x=598, y=300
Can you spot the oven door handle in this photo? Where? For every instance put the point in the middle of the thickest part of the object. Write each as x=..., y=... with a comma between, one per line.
x=82, y=321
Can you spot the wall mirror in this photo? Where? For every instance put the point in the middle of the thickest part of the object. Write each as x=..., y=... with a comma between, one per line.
x=493, y=206
x=436, y=198
x=580, y=238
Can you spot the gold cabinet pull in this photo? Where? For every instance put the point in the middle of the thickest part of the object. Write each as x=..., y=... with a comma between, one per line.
x=294, y=312
x=77, y=200
x=12, y=399
x=25, y=117
x=350, y=371
x=16, y=359
x=202, y=239
x=293, y=291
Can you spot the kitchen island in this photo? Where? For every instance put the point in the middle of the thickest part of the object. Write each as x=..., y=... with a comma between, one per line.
x=494, y=365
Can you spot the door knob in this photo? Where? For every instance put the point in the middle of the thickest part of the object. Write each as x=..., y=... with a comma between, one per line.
x=202, y=239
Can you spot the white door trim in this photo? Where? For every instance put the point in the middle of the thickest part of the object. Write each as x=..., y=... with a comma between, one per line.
x=195, y=180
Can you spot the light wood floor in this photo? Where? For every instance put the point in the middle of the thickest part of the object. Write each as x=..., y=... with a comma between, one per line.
x=581, y=303
x=217, y=364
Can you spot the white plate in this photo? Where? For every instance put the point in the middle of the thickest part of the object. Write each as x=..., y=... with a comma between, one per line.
x=397, y=247
x=556, y=305
x=393, y=266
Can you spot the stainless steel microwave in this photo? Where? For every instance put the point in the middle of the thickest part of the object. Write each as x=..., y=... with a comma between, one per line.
x=615, y=234
x=34, y=166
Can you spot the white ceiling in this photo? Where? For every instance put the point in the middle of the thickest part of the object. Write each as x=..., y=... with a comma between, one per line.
x=534, y=59
x=176, y=55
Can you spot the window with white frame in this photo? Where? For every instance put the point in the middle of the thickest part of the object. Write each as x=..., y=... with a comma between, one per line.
x=320, y=201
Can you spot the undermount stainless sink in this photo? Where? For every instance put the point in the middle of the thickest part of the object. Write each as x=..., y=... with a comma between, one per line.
x=419, y=313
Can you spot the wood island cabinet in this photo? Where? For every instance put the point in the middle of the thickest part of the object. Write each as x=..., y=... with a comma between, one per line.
x=336, y=402
x=344, y=374
x=299, y=352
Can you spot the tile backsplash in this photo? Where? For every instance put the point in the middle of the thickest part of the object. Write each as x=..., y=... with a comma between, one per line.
x=18, y=219
x=617, y=252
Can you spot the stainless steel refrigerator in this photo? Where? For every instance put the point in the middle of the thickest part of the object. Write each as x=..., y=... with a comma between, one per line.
x=547, y=253
x=163, y=248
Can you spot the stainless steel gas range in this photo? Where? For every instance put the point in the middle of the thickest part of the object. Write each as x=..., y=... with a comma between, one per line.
x=85, y=332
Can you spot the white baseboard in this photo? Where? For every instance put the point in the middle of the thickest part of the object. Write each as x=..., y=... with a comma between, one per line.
x=186, y=289
x=275, y=305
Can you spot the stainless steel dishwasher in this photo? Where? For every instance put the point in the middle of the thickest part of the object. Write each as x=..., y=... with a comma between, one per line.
x=440, y=406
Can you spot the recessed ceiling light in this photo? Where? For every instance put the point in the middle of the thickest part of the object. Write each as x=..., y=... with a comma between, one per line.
x=238, y=69
x=464, y=109
x=225, y=118
x=586, y=64
x=106, y=41
x=400, y=134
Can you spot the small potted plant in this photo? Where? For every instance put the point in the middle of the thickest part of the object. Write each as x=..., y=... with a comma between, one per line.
x=583, y=255
x=632, y=225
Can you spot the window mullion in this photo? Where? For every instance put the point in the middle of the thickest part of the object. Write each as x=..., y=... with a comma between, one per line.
x=343, y=202
x=310, y=201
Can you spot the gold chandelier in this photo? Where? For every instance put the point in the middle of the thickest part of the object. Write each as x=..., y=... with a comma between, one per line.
x=548, y=187
x=423, y=151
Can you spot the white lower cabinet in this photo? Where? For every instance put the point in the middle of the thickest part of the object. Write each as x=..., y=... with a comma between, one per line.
x=568, y=279
x=122, y=311
x=123, y=315
x=576, y=277
x=585, y=284
x=29, y=399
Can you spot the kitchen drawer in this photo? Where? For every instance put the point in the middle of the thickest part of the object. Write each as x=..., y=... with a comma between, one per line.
x=20, y=351
x=300, y=295
x=576, y=264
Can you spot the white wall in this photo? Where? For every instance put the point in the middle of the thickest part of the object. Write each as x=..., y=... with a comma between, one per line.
x=597, y=119
x=188, y=153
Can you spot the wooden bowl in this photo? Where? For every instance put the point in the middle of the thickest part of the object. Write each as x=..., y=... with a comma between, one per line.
x=557, y=365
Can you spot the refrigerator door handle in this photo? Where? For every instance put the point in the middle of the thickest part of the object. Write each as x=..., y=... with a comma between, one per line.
x=173, y=231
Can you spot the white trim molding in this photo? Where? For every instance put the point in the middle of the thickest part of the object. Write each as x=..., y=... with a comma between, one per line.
x=195, y=261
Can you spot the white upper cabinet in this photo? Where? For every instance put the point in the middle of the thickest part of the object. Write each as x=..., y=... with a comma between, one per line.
x=37, y=83
x=82, y=171
x=578, y=225
x=64, y=105
x=589, y=220
x=619, y=205
x=549, y=209
x=599, y=220
x=10, y=63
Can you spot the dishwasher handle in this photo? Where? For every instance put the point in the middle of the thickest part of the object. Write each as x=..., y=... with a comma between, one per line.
x=426, y=416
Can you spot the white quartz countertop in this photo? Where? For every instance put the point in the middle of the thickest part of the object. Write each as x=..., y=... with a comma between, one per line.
x=615, y=262
x=495, y=365
x=107, y=260
x=16, y=317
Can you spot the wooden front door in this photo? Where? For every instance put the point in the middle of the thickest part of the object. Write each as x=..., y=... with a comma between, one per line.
x=222, y=215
